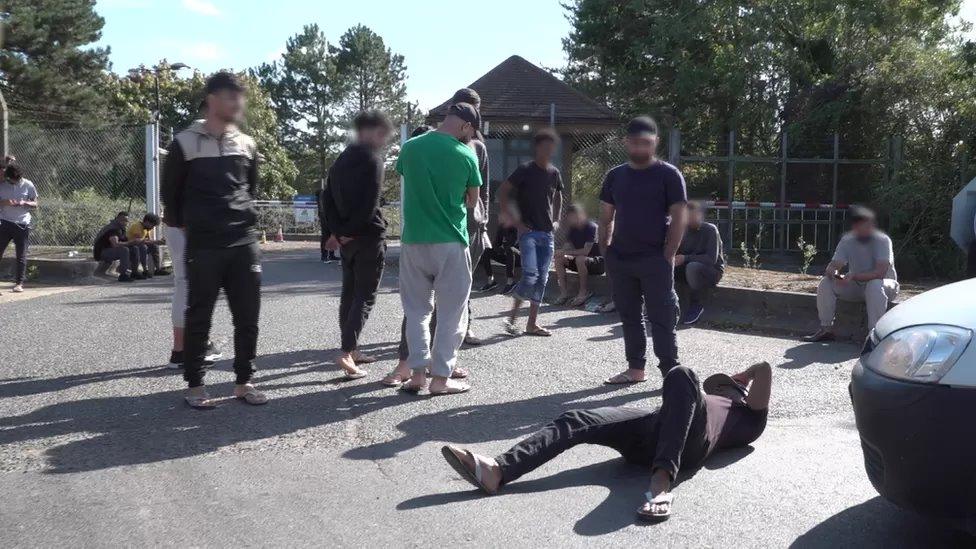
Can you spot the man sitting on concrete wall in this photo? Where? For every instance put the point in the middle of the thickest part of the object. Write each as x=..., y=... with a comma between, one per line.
x=700, y=262
x=111, y=245
x=870, y=276
x=580, y=254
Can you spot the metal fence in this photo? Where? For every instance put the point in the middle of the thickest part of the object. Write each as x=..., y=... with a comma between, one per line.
x=83, y=178
x=767, y=195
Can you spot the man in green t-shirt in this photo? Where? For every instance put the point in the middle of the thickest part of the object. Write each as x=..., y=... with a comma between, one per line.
x=440, y=181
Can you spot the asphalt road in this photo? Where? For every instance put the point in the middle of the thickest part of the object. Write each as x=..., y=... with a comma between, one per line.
x=98, y=449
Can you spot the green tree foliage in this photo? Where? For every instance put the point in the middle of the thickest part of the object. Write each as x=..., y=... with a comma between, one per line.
x=865, y=70
x=49, y=70
x=305, y=89
x=374, y=76
x=180, y=99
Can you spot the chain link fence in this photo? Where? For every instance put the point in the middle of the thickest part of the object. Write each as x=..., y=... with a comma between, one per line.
x=83, y=178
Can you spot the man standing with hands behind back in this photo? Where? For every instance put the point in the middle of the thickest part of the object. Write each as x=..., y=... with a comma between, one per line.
x=351, y=203
x=208, y=187
x=641, y=225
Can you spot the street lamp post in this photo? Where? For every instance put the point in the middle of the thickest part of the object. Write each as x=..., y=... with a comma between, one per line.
x=139, y=73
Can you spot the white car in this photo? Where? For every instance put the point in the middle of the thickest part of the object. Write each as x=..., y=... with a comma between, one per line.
x=914, y=397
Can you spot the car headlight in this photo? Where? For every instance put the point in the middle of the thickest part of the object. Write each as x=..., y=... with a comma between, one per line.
x=922, y=354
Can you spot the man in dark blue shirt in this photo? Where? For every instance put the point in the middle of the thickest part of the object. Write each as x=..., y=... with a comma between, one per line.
x=642, y=222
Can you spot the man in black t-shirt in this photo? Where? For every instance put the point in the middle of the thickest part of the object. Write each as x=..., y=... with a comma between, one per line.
x=580, y=254
x=111, y=245
x=642, y=222
x=689, y=426
x=538, y=187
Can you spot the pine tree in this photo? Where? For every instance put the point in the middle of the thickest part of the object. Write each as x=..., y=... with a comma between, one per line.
x=374, y=76
x=49, y=72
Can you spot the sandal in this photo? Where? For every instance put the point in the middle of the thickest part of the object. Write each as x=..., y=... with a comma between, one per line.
x=360, y=358
x=460, y=373
x=394, y=379
x=359, y=374
x=452, y=389
x=407, y=387
x=622, y=379
x=253, y=397
x=538, y=331
x=453, y=456
x=512, y=329
x=203, y=402
x=649, y=514
x=580, y=300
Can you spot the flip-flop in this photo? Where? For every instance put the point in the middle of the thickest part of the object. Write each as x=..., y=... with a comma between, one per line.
x=452, y=390
x=365, y=359
x=355, y=375
x=200, y=402
x=660, y=499
x=253, y=397
x=622, y=379
x=406, y=387
x=580, y=300
x=453, y=456
x=512, y=329
x=538, y=332
x=394, y=379
x=460, y=373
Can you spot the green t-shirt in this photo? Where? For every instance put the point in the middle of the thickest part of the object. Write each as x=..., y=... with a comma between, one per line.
x=437, y=170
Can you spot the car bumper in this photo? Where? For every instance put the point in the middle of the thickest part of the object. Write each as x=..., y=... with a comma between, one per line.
x=919, y=444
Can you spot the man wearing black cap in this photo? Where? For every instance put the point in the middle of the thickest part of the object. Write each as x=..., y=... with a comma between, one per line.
x=208, y=187
x=440, y=180
x=478, y=241
x=642, y=223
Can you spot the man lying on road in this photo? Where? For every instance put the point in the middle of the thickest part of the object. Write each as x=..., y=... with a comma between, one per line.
x=688, y=427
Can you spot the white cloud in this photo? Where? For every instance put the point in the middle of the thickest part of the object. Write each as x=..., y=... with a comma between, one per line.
x=202, y=7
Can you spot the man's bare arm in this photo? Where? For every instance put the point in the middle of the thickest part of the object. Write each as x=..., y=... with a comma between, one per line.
x=472, y=197
x=759, y=377
x=557, y=206
x=676, y=230
x=607, y=213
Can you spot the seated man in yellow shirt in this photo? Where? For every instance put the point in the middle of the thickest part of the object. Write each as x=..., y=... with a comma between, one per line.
x=139, y=235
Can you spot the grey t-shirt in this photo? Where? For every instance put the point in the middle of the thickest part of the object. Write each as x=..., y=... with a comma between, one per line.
x=22, y=190
x=861, y=256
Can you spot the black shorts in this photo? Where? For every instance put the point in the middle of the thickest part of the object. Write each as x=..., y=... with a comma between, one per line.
x=594, y=265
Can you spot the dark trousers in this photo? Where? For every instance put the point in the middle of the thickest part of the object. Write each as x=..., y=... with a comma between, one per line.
x=238, y=271
x=971, y=260
x=145, y=252
x=19, y=235
x=362, y=269
x=645, y=285
x=699, y=277
x=673, y=437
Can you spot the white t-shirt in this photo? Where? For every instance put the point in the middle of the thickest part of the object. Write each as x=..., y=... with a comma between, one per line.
x=22, y=190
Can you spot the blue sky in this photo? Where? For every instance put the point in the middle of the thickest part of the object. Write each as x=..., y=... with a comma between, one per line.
x=433, y=35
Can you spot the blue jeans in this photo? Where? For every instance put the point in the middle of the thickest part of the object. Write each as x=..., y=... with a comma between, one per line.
x=536, y=248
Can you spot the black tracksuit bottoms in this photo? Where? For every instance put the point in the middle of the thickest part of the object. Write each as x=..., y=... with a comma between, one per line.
x=673, y=437
x=362, y=269
x=642, y=285
x=19, y=234
x=238, y=271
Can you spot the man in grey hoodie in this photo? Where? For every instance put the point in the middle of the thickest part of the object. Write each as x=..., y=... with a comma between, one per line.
x=699, y=263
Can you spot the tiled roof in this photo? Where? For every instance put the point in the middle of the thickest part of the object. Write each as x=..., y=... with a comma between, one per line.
x=517, y=90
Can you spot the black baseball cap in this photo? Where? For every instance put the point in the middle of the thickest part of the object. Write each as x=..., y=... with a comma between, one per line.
x=223, y=80
x=466, y=112
x=642, y=126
